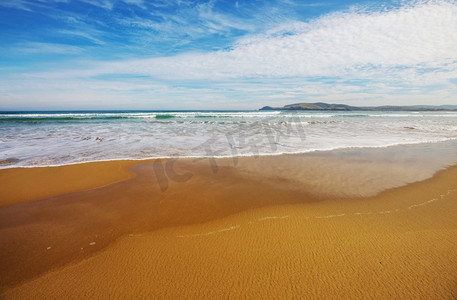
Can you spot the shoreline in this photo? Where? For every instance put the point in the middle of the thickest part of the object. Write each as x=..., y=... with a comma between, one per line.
x=146, y=159
x=27, y=183
x=56, y=232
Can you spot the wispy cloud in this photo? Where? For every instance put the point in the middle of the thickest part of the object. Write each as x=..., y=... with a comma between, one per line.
x=47, y=48
x=216, y=21
x=376, y=55
x=17, y=4
x=28, y=5
x=105, y=4
x=87, y=35
x=139, y=3
x=403, y=41
x=185, y=22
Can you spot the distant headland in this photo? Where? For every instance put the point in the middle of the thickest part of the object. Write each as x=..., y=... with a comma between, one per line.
x=344, y=107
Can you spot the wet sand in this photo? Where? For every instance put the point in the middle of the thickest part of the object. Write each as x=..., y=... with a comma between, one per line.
x=319, y=225
x=25, y=184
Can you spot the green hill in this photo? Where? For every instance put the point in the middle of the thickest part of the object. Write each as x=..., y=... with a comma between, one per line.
x=344, y=107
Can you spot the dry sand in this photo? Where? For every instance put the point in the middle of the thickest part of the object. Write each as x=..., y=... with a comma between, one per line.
x=242, y=232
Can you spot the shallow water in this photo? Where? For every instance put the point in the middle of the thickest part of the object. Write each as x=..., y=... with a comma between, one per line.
x=53, y=138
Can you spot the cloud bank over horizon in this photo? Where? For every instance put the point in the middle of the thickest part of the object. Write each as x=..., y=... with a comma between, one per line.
x=232, y=57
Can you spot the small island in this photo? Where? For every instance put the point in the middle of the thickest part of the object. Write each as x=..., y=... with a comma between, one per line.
x=344, y=107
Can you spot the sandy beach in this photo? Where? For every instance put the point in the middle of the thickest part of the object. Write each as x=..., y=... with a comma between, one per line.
x=360, y=223
x=212, y=149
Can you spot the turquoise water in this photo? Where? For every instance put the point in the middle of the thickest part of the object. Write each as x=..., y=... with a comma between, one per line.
x=53, y=138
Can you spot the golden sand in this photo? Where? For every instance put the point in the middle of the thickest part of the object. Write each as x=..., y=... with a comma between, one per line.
x=236, y=233
x=25, y=184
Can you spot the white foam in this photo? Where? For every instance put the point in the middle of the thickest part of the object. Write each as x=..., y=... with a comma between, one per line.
x=363, y=213
x=210, y=232
x=330, y=216
x=208, y=134
x=272, y=218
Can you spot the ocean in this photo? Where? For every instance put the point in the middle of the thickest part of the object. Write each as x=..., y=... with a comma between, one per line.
x=30, y=139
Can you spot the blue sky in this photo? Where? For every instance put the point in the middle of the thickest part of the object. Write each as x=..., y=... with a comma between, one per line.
x=177, y=54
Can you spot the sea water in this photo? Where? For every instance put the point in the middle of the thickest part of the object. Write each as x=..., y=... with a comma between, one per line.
x=53, y=138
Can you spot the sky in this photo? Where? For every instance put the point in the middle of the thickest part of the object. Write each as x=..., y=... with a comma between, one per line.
x=180, y=54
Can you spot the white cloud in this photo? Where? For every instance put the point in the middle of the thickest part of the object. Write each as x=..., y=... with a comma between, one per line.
x=220, y=22
x=407, y=54
x=409, y=39
x=17, y=4
x=138, y=3
x=87, y=34
x=135, y=2
x=106, y=4
x=42, y=48
x=27, y=4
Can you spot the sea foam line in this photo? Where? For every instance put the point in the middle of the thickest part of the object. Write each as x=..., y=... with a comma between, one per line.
x=382, y=212
x=261, y=154
x=210, y=232
x=423, y=203
x=330, y=216
x=272, y=218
